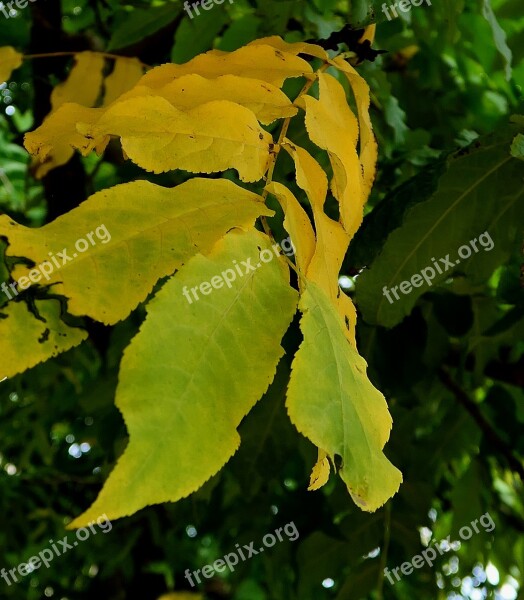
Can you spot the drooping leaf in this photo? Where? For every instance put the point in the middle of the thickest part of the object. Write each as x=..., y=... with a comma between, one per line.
x=298, y=225
x=338, y=408
x=332, y=126
x=332, y=239
x=141, y=232
x=194, y=371
x=368, y=149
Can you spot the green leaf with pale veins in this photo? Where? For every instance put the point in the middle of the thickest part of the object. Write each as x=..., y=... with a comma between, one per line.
x=153, y=231
x=479, y=190
x=193, y=372
x=26, y=340
x=332, y=402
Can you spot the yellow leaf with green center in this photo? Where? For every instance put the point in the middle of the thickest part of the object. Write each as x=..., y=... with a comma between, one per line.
x=195, y=370
x=139, y=231
x=331, y=401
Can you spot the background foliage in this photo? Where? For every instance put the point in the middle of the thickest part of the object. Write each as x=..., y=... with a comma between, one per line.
x=451, y=365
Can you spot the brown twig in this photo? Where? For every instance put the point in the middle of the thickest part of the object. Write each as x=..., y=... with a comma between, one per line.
x=491, y=435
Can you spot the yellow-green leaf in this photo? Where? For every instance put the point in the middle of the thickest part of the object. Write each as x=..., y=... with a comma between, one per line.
x=212, y=137
x=256, y=62
x=194, y=371
x=152, y=230
x=26, y=340
x=10, y=60
x=332, y=402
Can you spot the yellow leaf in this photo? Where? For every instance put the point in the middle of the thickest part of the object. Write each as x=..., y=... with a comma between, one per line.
x=10, y=60
x=210, y=138
x=256, y=62
x=81, y=87
x=333, y=127
x=266, y=101
x=53, y=143
x=368, y=152
x=297, y=224
x=58, y=134
x=83, y=82
x=294, y=48
x=338, y=408
x=320, y=472
x=139, y=231
x=126, y=73
x=332, y=239
x=26, y=340
x=369, y=34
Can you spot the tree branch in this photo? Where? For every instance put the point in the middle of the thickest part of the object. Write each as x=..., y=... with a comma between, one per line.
x=490, y=434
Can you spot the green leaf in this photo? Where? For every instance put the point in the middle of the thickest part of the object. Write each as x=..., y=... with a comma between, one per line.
x=193, y=373
x=332, y=402
x=499, y=36
x=142, y=23
x=197, y=35
x=143, y=232
x=480, y=191
x=517, y=146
